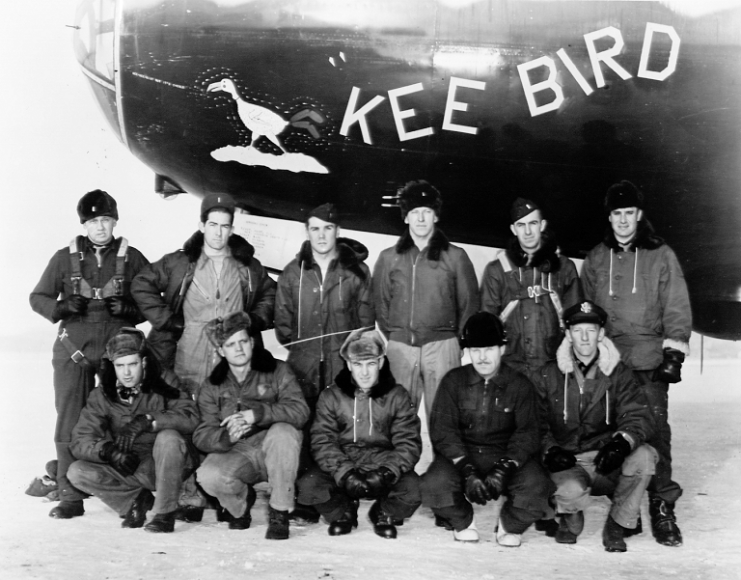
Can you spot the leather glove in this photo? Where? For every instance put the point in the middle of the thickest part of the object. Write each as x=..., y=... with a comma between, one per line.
x=74, y=304
x=138, y=425
x=124, y=463
x=612, y=455
x=175, y=324
x=379, y=481
x=558, y=459
x=499, y=475
x=670, y=369
x=474, y=484
x=121, y=307
x=355, y=484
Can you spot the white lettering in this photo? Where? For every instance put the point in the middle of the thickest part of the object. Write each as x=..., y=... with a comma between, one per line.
x=400, y=115
x=549, y=83
x=605, y=56
x=578, y=77
x=358, y=116
x=673, y=54
x=453, y=105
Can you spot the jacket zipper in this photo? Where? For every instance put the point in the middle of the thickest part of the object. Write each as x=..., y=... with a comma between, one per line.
x=411, y=312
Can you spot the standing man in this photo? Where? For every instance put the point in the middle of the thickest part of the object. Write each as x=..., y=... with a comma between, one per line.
x=595, y=421
x=133, y=437
x=528, y=286
x=252, y=412
x=424, y=290
x=323, y=294
x=638, y=281
x=85, y=288
x=366, y=442
x=484, y=430
x=215, y=274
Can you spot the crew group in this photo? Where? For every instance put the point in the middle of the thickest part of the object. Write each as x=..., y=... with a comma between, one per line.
x=565, y=397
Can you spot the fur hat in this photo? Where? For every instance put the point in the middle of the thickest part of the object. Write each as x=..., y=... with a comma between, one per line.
x=363, y=345
x=483, y=329
x=326, y=212
x=586, y=311
x=127, y=341
x=419, y=194
x=96, y=203
x=520, y=208
x=220, y=329
x=212, y=201
x=623, y=194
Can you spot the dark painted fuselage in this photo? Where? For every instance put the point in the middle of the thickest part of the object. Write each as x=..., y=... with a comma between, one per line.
x=265, y=100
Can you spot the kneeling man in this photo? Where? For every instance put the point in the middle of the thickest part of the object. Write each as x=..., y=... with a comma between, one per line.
x=484, y=431
x=252, y=412
x=133, y=436
x=365, y=441
x=595, y=421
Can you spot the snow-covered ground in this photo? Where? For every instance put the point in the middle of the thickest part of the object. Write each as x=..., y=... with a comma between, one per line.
x=707, y=434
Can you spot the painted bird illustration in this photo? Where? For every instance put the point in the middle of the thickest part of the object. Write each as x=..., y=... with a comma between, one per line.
x=261, y=121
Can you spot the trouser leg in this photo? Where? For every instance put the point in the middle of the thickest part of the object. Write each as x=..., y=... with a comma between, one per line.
x=573, y=488
x=228, y=476
x=117, y=491
x=72, y=385
x=318, y=488
x=443, y=492
x=171, y=462
x=635, y=475
x=281, y=448
x=657, y=394
x=437, y=358
x=527, y=496
x=405, y=365
x=403, y=498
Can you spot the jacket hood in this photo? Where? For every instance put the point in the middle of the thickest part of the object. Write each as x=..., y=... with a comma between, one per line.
x=609, y=357
x=152, y=382
x=438, y=243
x=646, y=238
x=545, y=258
x=350, y=254
x=386, y=382
x=262, y=362
x=241, y=249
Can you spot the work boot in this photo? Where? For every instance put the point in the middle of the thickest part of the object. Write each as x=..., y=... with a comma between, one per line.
x=570, y=526
x=663, y=522
x=383, y=525
x=189, y=513
x=137, y=513
x=442, y=522
x=243, y=522
x=613, y=535
x=470, y=534
x=346, y=522
x=507, y=539
x=162, y=523
x=67, y=509
x=550, y=527
x=277, y=524
x=634, y=531
x=303, y=515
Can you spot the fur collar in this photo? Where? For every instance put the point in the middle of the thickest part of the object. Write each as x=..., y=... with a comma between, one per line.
x=262, y=362
x=386, y=382
x=241, y=249
x=609, y=357
x=438, y=243
x=151, y=383
x=350, y=254
x=545, y=258
x=645, y=239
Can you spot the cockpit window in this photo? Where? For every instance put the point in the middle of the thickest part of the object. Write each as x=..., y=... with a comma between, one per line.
x=94, y=37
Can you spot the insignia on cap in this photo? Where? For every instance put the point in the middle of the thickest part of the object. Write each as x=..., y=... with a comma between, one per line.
x=95, y=208
x=586, y=307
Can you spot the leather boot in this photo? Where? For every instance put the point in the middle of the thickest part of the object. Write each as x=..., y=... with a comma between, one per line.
x=550, y=527
x=383, y=525
x=189, y=513
x=442, y=522
x=303, y=515
x=161, y=523
x=569, y=528
x=243, y=522
x=613, y=535
x=664, y=523
x=137, y=513
x=634, y=531
x=277, y=524
x=346, y=522
x=67, y=509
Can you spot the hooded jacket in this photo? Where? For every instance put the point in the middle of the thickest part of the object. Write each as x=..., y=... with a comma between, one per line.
x=365, y=430
x=582, y=414
x=160, y=289
x=270, y=390
x=497, y=417
x=533, y=328
x=104, y=416
x=307, y=306
x=426, y=296
x=644, y=294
